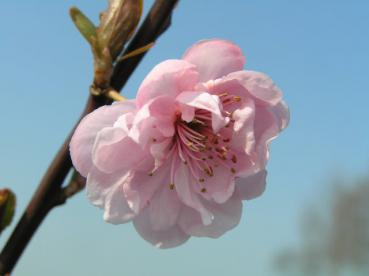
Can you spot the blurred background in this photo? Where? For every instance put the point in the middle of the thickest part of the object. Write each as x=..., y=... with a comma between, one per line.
x=313, y=218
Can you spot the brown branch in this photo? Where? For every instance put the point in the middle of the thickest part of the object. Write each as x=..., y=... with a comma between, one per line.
x=156, y=22
x=76, y=184
x=49, y=188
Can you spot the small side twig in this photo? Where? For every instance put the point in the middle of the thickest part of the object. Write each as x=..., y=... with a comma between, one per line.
x=76, y=184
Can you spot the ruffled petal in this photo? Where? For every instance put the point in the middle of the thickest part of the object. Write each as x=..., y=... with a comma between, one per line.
x=106, y=191
x=114, y=150
x=243, y=138
x=206, y=101
x=215, y=58
x=258, y=85
x=164, y=209
x=141, y=185
x=168, y=238
x=99, y=184
x=84, y=137
x=116, y=209
x=282, y=114
x=167, y=78
x=266, y=128
x=220, y=186
x=252, y=186
x=226, y=217
x=159, y=150
x=154, y=120
x=186, y=193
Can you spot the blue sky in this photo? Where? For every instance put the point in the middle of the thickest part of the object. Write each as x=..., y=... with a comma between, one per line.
x=316, y=51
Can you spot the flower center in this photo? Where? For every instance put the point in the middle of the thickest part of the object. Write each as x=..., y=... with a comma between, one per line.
x=202, y=150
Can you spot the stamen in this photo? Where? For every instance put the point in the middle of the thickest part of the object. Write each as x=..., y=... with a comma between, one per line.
x=234, y=158
x=223, y=94
x=237, y=98
x=203, y=190
x=171, y=186
x=198, y=122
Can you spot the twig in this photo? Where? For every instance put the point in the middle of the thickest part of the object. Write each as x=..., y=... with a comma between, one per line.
x=50, y=186
x=156, y=22
x=76, y=184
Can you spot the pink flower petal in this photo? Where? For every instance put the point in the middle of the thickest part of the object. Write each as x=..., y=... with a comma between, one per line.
x=167, y=78
x=206, y=101
x=243, y=138
x=99, y=184
x=164, y=209
x=116, y=209
x=106, y=191
x=159, y=150
x=114, y=150
x=183, y=186
x=84, y=136
x=155, y=118
x=226, y=217
x=252, y=186
x=141, y=185
x=168, y=238
x=258, y=85
x=282, y=113
x=220, y=186
x=215, y=58
x=266, y=128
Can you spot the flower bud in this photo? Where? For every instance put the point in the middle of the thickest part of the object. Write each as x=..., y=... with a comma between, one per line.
x=7, y=208
x=83, y=24
x=117, y=24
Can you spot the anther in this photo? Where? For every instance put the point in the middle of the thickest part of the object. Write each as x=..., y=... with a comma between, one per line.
x=171, y=186
x=201, y=180
x=233, y=170
x=237, y=98
x=203, y=190
x=234, y=159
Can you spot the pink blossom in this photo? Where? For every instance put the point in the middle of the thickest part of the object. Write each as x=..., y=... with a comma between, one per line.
x=179, y=160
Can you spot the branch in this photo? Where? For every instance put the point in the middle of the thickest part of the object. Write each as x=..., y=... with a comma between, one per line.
x=156, y=22
x=50, y=186
x=75, y=185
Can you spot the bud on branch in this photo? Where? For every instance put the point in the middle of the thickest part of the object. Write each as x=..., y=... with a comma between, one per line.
x=117, y=24
x=7, y=208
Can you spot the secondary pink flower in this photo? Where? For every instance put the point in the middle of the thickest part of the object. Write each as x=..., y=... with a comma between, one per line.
x=180, y=159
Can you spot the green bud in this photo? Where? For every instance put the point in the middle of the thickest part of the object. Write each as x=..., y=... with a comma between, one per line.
x=83, y=24
x=7, y=208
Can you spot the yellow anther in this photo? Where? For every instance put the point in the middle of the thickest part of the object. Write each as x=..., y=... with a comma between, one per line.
x=237, y=98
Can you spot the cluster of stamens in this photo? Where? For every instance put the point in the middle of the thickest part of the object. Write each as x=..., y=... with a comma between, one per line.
x=202, y=150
